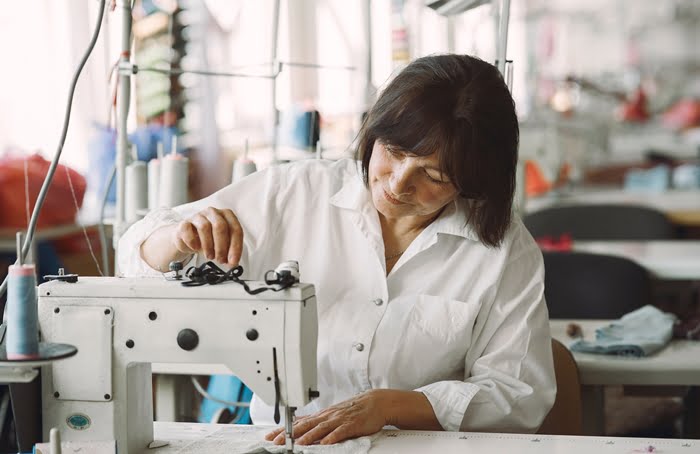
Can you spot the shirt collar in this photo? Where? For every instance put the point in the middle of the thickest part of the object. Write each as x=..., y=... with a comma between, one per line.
x=354, y=195
x=454, y=220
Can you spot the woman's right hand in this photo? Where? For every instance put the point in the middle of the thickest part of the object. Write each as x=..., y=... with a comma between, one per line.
x=215, y=233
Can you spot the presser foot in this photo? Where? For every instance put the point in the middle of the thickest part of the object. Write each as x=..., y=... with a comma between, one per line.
x=158, y=444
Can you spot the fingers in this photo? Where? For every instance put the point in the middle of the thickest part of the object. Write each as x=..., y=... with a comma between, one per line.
x=186, y=238
x=320, y=431
x=215, y=233
x=280, y=430
x=340, y=433
x=299, y=428
x=311, y=430
x=348, y=419
x=301, y=425
x=220, y=234
x=204, y=231
x=272, y=435
x=327, y=432
x=236, y=237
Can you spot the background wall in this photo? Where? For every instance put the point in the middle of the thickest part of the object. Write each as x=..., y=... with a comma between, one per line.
x=618, y=44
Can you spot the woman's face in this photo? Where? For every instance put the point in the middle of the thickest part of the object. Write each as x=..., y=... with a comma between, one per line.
x=405, y=185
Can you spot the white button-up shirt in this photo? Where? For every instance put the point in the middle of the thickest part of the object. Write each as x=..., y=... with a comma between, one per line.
x=463, y=323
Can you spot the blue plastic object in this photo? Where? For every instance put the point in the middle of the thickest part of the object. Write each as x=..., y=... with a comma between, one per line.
x=299, y=128
x=656, y=179
x=228, y=388
x=103, y=146
x=101, y=154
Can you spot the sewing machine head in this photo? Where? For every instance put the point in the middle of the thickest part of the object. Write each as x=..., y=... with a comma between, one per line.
x=122, y=325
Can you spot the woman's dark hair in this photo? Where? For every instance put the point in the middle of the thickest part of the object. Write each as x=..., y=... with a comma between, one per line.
x=460, y=107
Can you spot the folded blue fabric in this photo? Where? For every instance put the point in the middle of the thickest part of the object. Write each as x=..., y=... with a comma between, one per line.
x=639, y=333
x=655, y=179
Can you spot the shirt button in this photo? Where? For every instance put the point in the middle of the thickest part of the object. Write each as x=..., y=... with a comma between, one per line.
x=378, y=301
x=359, y=346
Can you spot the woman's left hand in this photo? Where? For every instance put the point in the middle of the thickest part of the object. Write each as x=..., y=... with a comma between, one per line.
x=356, y=417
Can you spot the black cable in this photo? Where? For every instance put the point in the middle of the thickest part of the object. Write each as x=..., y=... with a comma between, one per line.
x=210, y=273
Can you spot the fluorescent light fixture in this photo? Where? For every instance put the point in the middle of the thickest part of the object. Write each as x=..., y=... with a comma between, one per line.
x=452, y=7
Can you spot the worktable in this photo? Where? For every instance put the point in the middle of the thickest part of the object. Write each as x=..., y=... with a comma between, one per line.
x=186, y=438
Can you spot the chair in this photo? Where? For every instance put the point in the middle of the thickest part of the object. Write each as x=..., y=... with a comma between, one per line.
x=601, y=222
x=581, y=285
x=565, y=417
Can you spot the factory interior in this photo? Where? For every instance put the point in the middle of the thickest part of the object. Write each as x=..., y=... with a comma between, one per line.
x=233, y=226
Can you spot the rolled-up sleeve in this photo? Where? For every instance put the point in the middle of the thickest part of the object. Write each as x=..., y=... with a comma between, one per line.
x=449, y=400
x=509, y=381
x=129, y=258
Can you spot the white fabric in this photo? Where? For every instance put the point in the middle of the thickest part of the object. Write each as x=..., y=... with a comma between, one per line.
x=354, y=446
x=237, y=439
x=463, y=323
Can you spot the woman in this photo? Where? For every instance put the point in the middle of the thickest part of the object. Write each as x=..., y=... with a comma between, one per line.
x=430, y=294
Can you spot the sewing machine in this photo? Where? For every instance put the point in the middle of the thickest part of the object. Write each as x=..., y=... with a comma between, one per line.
x=121, y=325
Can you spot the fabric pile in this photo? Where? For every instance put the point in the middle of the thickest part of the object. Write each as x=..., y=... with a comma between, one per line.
x=640, y=333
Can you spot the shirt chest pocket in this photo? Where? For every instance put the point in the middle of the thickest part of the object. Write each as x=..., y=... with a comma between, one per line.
x=443, y=319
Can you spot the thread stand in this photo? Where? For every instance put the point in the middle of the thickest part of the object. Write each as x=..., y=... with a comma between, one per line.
x=48, y=352
x=27, y=352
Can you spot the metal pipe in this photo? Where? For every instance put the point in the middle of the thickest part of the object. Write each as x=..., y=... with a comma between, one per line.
x=275, y=70
x=509, y=75
x=369, y=88
x=123, y=100
x=20, y=259
x=503, y=35
x=451, y=37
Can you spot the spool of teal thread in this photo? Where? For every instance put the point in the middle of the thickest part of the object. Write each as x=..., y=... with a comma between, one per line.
x=22, y=315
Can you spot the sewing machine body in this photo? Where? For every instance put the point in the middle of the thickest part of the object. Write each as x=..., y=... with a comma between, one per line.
x=122, y=325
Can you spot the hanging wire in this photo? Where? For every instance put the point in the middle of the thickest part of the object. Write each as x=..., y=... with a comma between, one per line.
x=85, y=233
x=206, y=395
x=54, y=163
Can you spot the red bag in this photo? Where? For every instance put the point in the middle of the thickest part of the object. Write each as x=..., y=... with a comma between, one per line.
x=58, y=208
